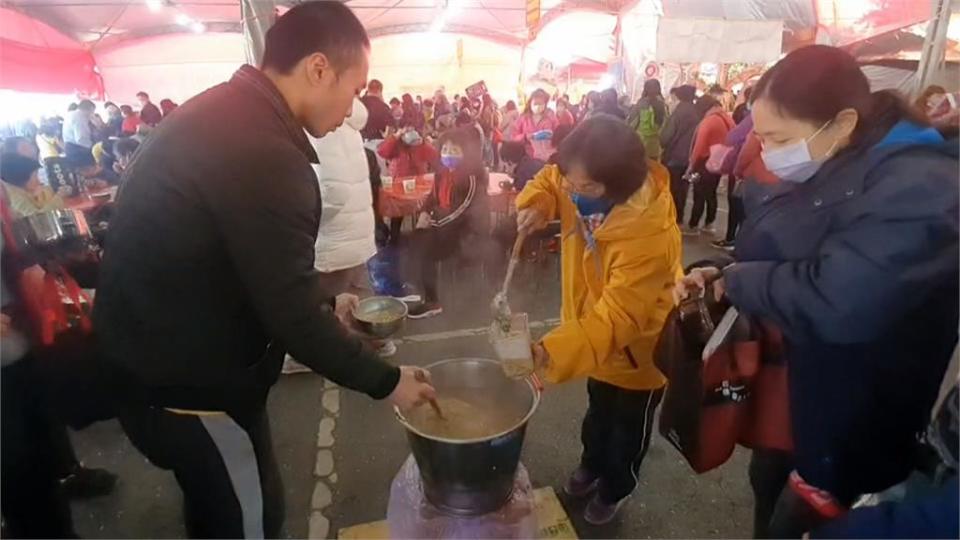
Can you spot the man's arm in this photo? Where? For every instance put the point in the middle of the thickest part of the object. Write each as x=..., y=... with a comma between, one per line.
x=266, y=217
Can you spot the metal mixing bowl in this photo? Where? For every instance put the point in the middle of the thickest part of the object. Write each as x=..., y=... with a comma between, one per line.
x=380, y=316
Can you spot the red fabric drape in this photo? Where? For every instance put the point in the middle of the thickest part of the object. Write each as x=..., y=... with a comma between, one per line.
x=29, y=68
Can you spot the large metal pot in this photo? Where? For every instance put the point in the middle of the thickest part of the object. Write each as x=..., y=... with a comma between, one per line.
x=473, y=477
x=46, y=229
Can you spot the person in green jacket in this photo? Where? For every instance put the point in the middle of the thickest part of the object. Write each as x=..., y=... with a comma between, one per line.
x=648, y=116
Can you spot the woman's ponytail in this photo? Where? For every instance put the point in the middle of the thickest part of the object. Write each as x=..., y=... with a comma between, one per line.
x=887, y=107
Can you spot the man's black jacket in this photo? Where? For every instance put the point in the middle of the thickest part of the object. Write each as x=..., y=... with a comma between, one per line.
x=208, y=276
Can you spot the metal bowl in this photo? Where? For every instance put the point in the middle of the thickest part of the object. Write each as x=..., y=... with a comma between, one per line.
x=380, y=316
x=46, y=229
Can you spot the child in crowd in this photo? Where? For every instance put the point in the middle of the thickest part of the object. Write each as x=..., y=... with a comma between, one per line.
x=519, y=165
x=456, y=219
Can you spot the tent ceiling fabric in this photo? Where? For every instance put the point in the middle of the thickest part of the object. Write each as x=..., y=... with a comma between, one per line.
x=100, y=22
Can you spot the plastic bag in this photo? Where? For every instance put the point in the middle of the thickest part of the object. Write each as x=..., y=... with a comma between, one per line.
x=410, y=514
x=384, y=268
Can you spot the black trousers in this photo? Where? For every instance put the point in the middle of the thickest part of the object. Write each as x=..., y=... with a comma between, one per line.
x=704, y=195
x=396, y=223
x=736, y=212
x=769, y=470
x=224, y=464
x=616, y=435
x=678, y=189
x=35, y=454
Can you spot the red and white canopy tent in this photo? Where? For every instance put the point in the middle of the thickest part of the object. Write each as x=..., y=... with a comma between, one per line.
x=175, y=48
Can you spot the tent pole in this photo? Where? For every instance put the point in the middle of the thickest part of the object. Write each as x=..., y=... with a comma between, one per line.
x=257, y=17
x=934, y=45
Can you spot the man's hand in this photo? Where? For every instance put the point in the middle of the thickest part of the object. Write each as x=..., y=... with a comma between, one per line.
x=410, y=392
x=530, y=220
x=346, y=303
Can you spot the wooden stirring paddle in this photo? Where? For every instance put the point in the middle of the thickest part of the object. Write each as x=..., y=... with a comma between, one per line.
x=422, y=378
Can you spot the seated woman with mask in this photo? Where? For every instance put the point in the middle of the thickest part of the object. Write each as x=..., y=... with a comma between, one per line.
x=455, y=223
x=25, y=193
x=619, y=258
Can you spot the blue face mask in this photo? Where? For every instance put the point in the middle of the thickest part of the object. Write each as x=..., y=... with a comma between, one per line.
x=451, y=161
x=588, y=206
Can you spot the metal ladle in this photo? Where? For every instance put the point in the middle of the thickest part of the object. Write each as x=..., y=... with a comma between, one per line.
x=499, y=306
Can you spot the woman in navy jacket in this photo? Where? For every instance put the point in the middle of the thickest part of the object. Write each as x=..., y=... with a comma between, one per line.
x=854, y=256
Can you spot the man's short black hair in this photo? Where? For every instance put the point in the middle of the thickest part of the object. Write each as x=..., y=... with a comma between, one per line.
x=327, y=27
x=375, y=86
x=685, y=92
x=86, y=105
x=609, y=151
x=16, y=169
x=143, y=94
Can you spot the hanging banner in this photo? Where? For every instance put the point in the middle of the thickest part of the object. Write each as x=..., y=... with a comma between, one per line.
x=533, y=18
x=718, y=41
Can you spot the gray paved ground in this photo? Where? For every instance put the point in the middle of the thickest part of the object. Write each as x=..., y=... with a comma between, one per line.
x=370, y=446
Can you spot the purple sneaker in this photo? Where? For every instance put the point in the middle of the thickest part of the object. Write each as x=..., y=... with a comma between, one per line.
x=601, y=513
x=581, y=483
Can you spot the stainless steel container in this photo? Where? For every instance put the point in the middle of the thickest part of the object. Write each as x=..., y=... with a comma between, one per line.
x=473, y=477
x=380, y=316
x=49, y=228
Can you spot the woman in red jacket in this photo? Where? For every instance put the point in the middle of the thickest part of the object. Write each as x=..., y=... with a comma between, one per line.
x=408, y=154
x=712, y=130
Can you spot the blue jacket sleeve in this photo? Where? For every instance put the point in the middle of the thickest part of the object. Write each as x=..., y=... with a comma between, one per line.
x=932, y=516
x=898, y=243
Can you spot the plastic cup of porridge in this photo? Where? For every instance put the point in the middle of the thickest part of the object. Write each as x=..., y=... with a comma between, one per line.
x=512, y=347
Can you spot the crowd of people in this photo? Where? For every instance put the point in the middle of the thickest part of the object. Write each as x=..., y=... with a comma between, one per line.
x=91, y=148
x=841, y=243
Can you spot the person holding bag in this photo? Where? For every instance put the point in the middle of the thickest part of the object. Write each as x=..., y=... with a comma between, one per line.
x=853, y=256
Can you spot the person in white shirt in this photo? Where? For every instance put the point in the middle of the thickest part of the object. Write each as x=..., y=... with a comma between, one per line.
x=345, y=241
x=78, y=134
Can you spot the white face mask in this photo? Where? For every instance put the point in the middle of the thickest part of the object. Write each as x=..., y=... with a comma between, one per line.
x=793, y=163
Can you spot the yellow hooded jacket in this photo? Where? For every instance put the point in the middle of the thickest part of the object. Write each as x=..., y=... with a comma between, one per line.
x=615, y=300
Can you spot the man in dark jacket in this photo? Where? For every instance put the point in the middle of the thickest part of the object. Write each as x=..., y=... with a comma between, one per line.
x=676, y=137
x=209, y=279
x=380, y=116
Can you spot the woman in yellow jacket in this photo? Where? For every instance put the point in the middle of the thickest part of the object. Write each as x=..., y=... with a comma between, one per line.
x=620, y=257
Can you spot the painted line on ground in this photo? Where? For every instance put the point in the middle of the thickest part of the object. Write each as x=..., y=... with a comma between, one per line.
x=466, y=332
